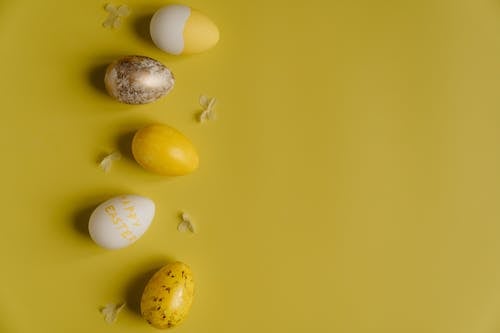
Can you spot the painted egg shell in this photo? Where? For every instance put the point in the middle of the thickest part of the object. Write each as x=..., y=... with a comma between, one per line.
x=178, y=29
x=168, y=296
x=138, y=80
x=164, y=150
x=120, y=221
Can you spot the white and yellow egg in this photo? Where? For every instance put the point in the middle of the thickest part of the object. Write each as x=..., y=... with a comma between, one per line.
x=179, y=29
x=121, y=221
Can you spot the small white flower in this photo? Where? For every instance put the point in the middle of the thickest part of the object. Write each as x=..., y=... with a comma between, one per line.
x=185, y=224
x=208, y=108
x=111, y=311
x=115, y=16
x=107, y=161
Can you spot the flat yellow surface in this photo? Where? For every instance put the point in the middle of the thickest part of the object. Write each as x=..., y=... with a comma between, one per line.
x=350, y=183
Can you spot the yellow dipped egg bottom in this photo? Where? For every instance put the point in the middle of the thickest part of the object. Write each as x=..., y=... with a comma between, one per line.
x=200, y=33
x=168, y=296
x=164, y=150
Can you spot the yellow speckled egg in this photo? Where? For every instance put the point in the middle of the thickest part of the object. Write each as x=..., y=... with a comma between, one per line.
x=164, y=150
x=168, y=296
x=179, y=29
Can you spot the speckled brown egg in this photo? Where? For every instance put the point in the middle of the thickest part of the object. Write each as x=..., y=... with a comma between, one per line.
x=138, y=80
x=167, y=297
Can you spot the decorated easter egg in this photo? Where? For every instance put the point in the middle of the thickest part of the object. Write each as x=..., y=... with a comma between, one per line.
x=138, y=80
x=120, y=221
x=179, y=29
x=168, y=296
x=164, y=150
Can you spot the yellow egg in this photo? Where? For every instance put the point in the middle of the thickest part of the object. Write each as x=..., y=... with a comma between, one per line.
x=168, y=296
x=179, y=29
x=164, y=150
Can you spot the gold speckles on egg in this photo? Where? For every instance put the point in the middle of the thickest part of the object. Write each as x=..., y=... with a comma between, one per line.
x=138, y=80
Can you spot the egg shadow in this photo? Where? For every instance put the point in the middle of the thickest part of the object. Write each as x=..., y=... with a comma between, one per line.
x=81, y=215
x=135, y=287
x=81, y=220
x=141, y=27
x=96, y=77
x=124, y=144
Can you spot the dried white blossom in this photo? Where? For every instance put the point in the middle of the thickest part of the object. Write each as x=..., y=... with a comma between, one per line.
x=115, y=16
x=108, y=160
x=207, y=108
x=186, y=224
x=111, y=311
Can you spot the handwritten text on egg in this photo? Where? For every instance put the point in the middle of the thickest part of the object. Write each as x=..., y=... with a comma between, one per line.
x=118, y=221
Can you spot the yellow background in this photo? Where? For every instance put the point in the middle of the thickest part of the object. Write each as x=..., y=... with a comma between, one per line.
x=349, y=184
